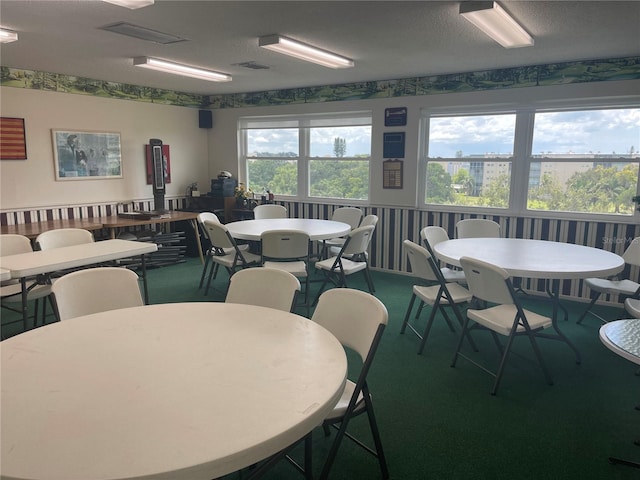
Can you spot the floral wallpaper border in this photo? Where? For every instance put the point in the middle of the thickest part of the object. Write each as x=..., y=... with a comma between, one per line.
x=627, y=68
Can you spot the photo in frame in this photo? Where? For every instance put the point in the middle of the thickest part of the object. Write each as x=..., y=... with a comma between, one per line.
x=86, y=155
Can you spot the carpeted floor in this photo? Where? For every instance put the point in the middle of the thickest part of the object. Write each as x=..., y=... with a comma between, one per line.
x=439, y=422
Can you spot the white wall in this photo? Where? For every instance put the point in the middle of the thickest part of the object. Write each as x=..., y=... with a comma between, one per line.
x=223, y=152
x=199, y=154
x=31, y=183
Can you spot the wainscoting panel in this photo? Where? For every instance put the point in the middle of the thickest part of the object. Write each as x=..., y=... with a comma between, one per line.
x=397, y=224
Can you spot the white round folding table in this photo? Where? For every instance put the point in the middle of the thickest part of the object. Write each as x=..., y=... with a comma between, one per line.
x=315, y=228
x=543, y=259
x=173, y=391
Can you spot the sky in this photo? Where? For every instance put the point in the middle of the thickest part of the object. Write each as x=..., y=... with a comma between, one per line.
x=579, y=132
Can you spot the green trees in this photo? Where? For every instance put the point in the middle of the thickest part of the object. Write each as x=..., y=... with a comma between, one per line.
x=600, y=189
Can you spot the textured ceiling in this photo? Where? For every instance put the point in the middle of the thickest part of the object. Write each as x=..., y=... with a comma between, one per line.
x=386, y=39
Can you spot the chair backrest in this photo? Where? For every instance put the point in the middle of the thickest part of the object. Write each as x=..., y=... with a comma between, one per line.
x=632, y=254
x=348, y=215
x=219, y=234
x=269, y=211
x=354, y=317
x=358, y=240
x=477, y=228
x=487, y=281
x=432, y=235
x=369, y=220
x=96, y=290
x=421, y=261
x=212, y=217
x=285, y=244
x=265, y=287
x=11, y=244
x=63, y=237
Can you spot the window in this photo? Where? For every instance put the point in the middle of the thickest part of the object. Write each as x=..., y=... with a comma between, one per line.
x=321, y=156
x=585, y=161
x=469, y=160
x=573, y=161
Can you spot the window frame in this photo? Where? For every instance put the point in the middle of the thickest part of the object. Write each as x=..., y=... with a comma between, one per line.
x=521, y=160
x=304, y=123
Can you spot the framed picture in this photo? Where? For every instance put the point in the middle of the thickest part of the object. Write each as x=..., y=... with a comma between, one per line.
x=83, y=155
x=13, y=144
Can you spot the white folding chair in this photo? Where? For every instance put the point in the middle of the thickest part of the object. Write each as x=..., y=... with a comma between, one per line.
x=506, y=317
x=366, y=220
x=269, y=211
x=11, y=290
x=226, y=252
x=632, y=306
x=433, y=235
x=357, y=320
x=615, y=286
x=438, y=293
x=96, y=290
x=349, y=215
x=63, y=237
x=477, y=228
x=288, y=250
x=351, y=259
x=265, y=287
x=208, y=249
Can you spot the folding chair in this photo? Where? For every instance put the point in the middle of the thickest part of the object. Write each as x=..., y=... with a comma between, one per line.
x=433, y=235
x=438, y=294
x=226, y=252
x=95, y=290
x=625, y=287
x=358, y=320
x=338, y=268
x=506, y=317
x=265, y=287
x=288, y=250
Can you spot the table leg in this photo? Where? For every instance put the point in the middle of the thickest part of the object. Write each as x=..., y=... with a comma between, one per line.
x=23, y=293
x=194, y=226
x=554, y=293
x=144, y=279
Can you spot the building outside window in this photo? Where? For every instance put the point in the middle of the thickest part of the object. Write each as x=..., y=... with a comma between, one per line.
x=574, y=161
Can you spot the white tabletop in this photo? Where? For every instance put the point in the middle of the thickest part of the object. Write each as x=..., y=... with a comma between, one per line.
x=533, y=258
x=5, y=274
x=46, y=261
x=623, y=338
x=317, y=229
x=174, y=391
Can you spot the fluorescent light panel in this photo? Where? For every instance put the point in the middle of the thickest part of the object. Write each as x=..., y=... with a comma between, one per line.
x=7, y=36
x=303, y=51
x=493, y=20
x=131, y=4
x=179, y=69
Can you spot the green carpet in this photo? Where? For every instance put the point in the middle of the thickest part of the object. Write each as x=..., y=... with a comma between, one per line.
x=439, y=422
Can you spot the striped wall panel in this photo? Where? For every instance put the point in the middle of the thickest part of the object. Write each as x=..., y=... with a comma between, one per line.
x=397, y=224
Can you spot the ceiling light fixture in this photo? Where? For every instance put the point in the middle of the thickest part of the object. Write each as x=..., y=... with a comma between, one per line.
x=179, y=69
x=300, y=50
x=7, y=36
x=131, y=4
x=493, y=20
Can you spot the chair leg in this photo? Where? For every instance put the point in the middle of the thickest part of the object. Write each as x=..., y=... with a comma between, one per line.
x=591, y=304
x=538, y=353
x=503, y=362
x=406, y=317
x=375, y=432
x=465, y=332
x=427, y=329
x=207, y=259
